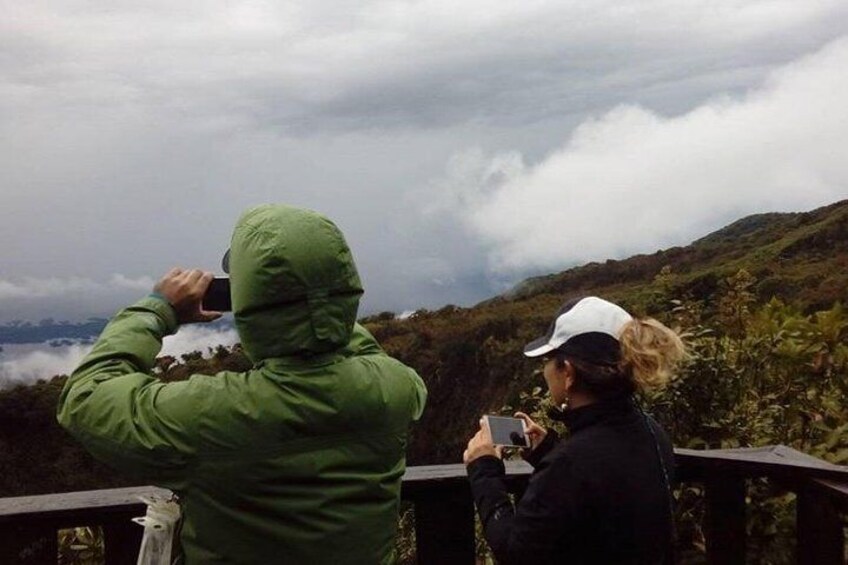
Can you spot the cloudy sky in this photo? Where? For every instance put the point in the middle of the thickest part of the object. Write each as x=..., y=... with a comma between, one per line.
x=460, y=146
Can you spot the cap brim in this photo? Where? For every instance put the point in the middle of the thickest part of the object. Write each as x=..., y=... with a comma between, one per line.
x=538, y=347
x=225, y=262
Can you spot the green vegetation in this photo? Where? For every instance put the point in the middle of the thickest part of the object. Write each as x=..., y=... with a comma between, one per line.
x=81, y=546
x=760, y=306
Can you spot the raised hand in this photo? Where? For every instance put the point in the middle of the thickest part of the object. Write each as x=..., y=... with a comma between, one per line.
x=535, y=432
x=184, y=290
x=481, y=444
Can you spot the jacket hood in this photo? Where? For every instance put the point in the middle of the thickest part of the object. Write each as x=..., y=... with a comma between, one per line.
x=293, y=281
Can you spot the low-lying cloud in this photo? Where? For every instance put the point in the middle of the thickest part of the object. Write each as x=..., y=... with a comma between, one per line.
x=198, y=338
x=41, y=364
x=632, y=180
x=45, y=363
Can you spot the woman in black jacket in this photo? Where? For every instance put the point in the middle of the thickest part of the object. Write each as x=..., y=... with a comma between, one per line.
x=603, y=495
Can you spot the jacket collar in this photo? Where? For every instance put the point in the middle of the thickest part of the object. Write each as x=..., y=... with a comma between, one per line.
x=361, y=343
x=614, y=410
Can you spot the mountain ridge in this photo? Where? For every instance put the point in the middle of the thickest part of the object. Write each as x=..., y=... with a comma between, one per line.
x=754, y=242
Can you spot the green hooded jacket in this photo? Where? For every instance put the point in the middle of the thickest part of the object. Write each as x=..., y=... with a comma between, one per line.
x=298, y=460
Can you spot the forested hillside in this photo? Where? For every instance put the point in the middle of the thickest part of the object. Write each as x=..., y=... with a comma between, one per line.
x=753, y=268
x=759, y=303
x=799, y=258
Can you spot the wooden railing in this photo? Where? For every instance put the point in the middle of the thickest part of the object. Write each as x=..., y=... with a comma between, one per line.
x=444, y=512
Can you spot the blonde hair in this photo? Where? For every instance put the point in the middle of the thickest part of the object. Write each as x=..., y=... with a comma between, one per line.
x=650, y=351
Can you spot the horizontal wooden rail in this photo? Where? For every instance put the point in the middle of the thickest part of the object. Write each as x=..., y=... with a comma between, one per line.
x=444, y=513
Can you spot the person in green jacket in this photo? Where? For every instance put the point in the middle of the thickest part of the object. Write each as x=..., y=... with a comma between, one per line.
x=298, y=460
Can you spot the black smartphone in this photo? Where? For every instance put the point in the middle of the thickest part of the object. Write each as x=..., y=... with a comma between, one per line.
x=217, y=297
x=510, y=432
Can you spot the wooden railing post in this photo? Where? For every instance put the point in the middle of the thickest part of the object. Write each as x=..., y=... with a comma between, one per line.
x=725, y=519
x=821, y=539
x=444, y=526
x=122, y=538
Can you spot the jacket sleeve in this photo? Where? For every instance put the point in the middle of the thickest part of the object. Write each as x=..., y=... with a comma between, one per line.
x=418, y=390
x=419, y=400
x=543, y=520
x=122, y=414
x=534, y=457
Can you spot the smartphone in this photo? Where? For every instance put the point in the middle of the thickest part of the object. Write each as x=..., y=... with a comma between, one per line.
x=217, y=297
x=509, y=432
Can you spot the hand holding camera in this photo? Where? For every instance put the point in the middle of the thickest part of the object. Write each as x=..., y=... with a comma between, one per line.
x=481, y=444
x=185, y=290
x=497, y=432
x=535, y=433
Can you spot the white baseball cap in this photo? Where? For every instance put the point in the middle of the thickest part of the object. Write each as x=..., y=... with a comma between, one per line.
x=594, y=318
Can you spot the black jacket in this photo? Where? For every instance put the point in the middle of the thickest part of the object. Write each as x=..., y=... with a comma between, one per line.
x=599, y=497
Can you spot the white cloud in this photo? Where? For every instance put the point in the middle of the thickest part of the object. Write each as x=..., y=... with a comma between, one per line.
x=9, y=290
x=34, y=288
x=633, y=181
x=140, y=283
x=48, y=362
x=29, y=288
x=198, y=338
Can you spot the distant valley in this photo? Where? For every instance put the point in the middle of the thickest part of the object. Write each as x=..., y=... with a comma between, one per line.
x=20, y=331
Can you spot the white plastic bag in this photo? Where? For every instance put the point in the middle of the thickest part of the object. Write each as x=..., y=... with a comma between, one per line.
x=160, y=524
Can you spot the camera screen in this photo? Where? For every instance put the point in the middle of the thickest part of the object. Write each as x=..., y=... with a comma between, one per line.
x=507, y=431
